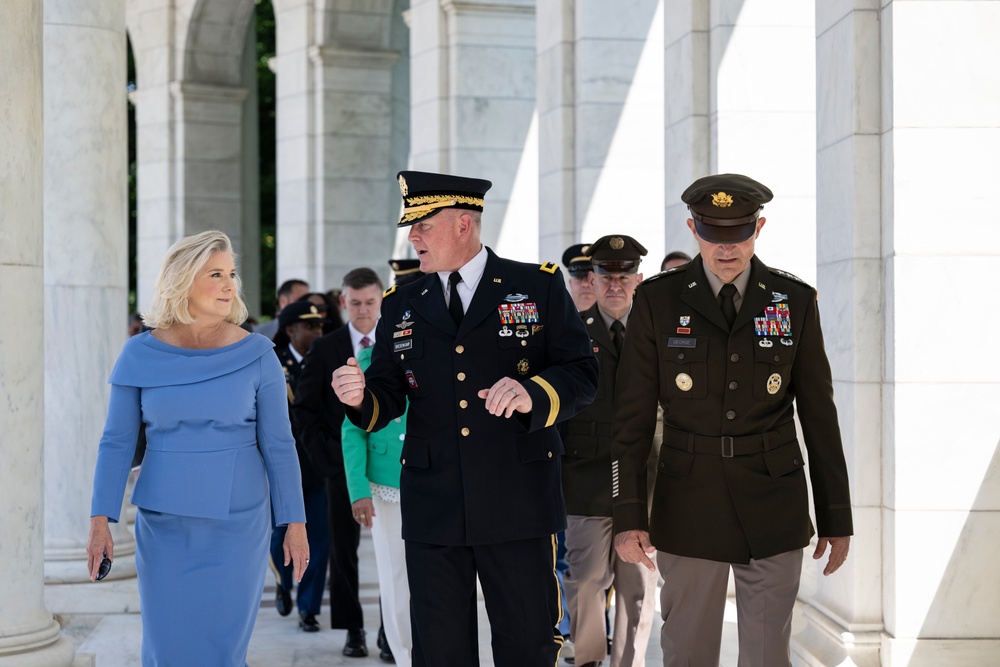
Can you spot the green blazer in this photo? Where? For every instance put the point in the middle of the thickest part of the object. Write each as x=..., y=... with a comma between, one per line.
x=372, y=457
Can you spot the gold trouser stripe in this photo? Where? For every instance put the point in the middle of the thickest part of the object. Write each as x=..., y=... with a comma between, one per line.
x=374, y=412
x=559, y=600
x=553, y=399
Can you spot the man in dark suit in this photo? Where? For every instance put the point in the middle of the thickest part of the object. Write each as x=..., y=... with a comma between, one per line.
x=590, y=554
x=726, y=345
x=318, y=416
x=490, y=354
x=300, y=324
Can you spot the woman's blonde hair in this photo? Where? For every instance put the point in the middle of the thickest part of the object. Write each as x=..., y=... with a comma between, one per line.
x=177, y=274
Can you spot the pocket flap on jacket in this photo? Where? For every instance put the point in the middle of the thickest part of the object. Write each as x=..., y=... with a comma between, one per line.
x=581, y=446
x=416, y=453
x=675, y=463
x=784, y=460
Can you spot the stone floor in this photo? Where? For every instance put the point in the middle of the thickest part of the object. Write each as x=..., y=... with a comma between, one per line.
x=113, y=639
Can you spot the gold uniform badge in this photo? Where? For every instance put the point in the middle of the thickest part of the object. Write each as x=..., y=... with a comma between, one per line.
x=722, y=200
x=522, y=367
x=773, y=383
x=684, y=382
x=403, y=189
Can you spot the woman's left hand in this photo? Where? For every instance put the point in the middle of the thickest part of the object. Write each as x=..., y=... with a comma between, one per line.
x=296, y=549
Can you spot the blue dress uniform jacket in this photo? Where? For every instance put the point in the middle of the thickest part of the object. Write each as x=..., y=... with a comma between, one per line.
x=469, y=477
x=730, y=482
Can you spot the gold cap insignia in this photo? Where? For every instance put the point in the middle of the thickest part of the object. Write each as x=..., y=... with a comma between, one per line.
x=683, y=381
x=773, y=383
x=617, y=243
x=522, y=367
x=720, y=199
x=585, y=249
x=314, y=310
x=403, y=189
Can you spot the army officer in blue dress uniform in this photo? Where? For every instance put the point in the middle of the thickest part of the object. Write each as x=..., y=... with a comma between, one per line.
x=732, y=350
x=491, y=354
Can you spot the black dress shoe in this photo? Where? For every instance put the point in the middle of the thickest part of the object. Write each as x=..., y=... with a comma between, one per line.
x=283, y=601
x=355, y=646
x=385, y=653
x=308, y=622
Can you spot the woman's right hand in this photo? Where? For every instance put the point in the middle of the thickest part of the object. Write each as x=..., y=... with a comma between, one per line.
x=99, y=542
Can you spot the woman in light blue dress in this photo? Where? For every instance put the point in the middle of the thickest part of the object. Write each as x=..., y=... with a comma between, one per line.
x=219, y=456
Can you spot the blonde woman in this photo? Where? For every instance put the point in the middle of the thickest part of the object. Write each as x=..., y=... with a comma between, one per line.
x=213, y=401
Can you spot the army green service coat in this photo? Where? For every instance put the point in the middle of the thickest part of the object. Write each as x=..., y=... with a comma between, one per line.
x=730, y=483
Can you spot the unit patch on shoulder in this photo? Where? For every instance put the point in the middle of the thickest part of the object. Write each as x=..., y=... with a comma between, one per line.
x=389, y=291
x=548, y=267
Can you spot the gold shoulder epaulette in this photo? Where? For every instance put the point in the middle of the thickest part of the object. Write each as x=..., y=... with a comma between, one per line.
x=389, y=291
x=549, y=267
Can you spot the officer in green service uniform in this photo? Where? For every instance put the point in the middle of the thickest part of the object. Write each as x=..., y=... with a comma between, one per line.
x=593, y=567
x=726, y=345
x=491, y=355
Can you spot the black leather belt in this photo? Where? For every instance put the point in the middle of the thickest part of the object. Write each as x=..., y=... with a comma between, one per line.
x=728, y=446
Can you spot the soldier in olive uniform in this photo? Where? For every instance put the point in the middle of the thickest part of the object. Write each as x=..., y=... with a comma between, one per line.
x=726, y=345
x=491, y=354
x=578, y=266
x=593, y=565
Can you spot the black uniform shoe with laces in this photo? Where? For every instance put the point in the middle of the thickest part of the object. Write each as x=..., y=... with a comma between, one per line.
x=355, y=646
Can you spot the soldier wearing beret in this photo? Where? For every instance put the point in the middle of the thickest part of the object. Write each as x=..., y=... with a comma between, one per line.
x=731, y=349
x=593, y=567
x=491, y=354
x=577, y=262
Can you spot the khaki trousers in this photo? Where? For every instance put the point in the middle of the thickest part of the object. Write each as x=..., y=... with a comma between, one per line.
x=693, y=601
x=593, y=568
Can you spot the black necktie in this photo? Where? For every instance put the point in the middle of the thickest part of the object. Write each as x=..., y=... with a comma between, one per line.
x=726, y=295
x=618, y=335
x=455, y=301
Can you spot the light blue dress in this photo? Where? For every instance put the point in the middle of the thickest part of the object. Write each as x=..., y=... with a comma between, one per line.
x=219, y=444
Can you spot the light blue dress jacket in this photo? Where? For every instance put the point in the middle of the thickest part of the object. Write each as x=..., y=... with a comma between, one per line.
x=203, y=409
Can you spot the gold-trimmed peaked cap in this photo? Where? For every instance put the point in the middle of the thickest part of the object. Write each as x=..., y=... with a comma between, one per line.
x=576, y=259
x=426, y=194
x=616, y=253
x=725, y=207
x=301, y=311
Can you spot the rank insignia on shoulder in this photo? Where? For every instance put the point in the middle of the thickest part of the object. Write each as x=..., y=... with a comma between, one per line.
x=389, y=291
x=515, y=298
x=790, y=276
x=549, y=267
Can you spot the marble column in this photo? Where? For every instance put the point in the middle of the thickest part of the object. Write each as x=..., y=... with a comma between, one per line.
x=86, y=279
x=473, y=108
x=940, y=457
x=843, y=613
x=29, y=636
x=296, y=154
x=357, y=198
x=687, y=138
x=600, y=100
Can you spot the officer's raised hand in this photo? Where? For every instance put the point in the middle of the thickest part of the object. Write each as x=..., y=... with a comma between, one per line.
x=505, y=397
x=349, y=383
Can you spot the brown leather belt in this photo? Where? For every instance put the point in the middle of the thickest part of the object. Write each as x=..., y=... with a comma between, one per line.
x=728, y=446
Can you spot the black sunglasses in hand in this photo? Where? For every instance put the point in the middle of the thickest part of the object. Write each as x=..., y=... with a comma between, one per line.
x=105, y=567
